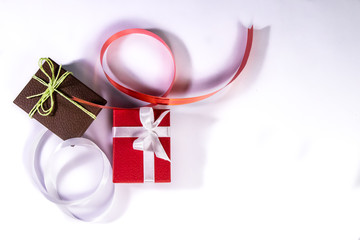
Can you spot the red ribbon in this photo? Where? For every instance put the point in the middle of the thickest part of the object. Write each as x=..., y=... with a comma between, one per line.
x=164, y=100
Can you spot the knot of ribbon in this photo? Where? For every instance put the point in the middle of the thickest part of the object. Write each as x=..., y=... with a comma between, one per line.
x=52, y=85
x=149, y=139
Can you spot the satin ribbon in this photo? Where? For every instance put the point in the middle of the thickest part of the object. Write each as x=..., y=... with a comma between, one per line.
x=147, y=139
x=46, y=180
x=163, y=99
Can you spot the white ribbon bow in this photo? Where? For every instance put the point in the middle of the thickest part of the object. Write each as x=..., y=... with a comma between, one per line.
x=147, y=135
x=149, y=140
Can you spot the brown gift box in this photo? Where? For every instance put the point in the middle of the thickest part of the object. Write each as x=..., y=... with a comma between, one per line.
x=66, y=120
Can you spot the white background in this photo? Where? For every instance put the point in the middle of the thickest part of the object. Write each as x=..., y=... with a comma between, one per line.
x=274, y=156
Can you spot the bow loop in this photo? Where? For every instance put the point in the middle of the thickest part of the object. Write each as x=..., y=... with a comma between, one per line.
x=147, y=118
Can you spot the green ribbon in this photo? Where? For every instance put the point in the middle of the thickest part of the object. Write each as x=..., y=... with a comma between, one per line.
x=52, y=85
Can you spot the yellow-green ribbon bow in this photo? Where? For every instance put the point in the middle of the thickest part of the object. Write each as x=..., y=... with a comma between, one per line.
x=52, y=85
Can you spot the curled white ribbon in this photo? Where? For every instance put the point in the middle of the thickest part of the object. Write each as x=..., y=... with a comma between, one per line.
x=46, y=181
x=147, y=139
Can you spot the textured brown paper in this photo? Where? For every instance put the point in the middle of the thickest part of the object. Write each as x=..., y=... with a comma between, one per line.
x=66, y=120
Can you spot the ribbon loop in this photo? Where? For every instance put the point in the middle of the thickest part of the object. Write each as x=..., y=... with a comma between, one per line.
x=147, y=118
x=46, y=169
x=164, y=99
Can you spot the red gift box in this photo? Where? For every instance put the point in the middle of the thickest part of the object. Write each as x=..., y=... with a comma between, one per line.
x=141, y=145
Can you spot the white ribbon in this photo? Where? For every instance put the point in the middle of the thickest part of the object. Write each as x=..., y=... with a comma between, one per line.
x=147, y=139
x=83, y=208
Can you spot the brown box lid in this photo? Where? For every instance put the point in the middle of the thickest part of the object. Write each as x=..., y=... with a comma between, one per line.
x=66, y=120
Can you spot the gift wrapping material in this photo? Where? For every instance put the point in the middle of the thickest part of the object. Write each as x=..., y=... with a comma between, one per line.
x=66, y=120
x=163, y=100
x=141, y=145
x=91, y=206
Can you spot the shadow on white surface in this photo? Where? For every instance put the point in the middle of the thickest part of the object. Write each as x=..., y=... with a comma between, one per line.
x=252, y=69
x=182, y=57
x=190, y=134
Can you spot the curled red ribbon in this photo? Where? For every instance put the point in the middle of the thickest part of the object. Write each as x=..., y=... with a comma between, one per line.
x=164, y=100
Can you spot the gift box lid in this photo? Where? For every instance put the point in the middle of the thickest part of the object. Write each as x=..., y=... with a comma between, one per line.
x=134, y=166
x=66, y=120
